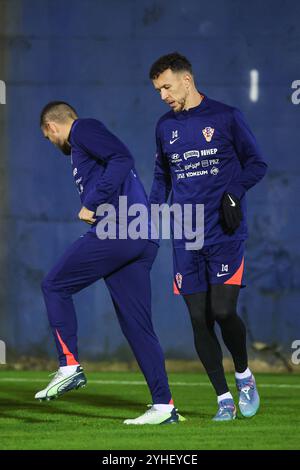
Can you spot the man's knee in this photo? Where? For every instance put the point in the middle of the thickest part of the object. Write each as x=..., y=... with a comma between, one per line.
x=198, y=319
x=49, y=284
x=222, y=313
x=46, y=285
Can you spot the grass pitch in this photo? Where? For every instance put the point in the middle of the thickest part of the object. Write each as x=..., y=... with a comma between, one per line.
x=92, y=418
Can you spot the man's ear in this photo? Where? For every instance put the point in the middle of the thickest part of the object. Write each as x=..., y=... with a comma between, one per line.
x=187, y=80
x=52, y=127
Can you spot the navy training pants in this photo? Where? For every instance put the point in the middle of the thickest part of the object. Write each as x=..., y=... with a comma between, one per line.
x=125, y=266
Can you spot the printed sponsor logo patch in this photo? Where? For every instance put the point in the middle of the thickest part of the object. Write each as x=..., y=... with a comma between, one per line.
x=191, y=153
x=214, y=171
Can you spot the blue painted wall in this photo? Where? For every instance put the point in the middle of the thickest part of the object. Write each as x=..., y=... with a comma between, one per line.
x=96, y=55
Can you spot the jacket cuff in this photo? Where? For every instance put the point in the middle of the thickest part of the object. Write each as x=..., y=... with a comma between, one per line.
x=90, y=205
x=236, y=190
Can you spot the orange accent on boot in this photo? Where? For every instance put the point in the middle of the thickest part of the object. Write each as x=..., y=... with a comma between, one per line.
x=71, y=361
x=175, y=289
x=237, y=277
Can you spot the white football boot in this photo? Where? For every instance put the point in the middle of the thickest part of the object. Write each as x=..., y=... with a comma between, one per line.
x=156, y=416
x=62, y=383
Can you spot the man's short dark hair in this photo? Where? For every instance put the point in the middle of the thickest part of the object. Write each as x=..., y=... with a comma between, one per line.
x=174, y=61
x=58, y=111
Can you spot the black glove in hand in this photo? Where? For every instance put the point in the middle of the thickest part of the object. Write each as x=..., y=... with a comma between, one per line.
x=230, y=213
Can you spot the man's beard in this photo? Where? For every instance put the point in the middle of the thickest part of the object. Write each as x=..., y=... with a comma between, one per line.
x=65, y=148
x=181, y=104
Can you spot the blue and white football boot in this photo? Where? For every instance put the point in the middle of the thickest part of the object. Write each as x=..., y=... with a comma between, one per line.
x=248, y=396
x=226, y=411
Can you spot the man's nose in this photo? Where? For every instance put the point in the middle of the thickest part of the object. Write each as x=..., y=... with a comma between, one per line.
x=164, y=95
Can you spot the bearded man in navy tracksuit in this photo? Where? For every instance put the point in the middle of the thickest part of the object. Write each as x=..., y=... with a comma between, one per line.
x=206, y=154
x=103, y=170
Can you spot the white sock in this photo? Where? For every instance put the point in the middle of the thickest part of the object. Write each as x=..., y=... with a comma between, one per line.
x=163, y=407
x=243, y=375
x=225, y=396
x=68, y=370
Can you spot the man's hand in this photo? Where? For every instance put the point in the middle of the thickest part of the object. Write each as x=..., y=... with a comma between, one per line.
x=87, y=216
x=230, y=213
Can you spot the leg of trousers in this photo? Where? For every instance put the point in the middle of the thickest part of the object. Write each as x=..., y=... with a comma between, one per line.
x=130, y=289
